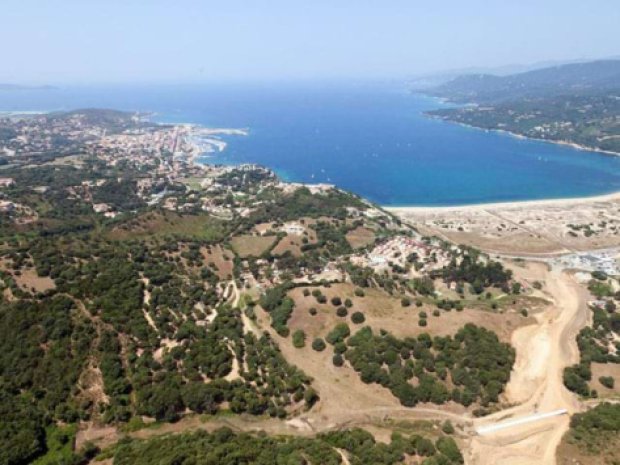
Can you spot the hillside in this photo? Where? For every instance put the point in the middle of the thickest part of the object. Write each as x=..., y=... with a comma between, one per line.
x=591, y=78
x=577, y=104
x=139, y=288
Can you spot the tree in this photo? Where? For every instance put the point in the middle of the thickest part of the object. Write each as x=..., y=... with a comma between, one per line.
x=358, y=318
x=447, y=446
x=607, y=381
x=319, y=344
x=162, y=401
x=201, y=397
x=425, y=447
x=447, y=427
x=338, y=334
x=299, y=339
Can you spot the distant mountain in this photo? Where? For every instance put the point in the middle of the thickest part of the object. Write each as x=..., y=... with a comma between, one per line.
x=576, y=103
x=588, y=78
x=422, y=82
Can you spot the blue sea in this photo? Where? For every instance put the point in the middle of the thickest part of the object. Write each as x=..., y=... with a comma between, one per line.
x=369, y=138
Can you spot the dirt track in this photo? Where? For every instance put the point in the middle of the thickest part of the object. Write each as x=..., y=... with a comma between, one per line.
x=543, y=350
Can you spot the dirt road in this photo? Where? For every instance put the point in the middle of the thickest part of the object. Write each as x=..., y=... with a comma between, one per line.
x=535, y=387
x=543, y=350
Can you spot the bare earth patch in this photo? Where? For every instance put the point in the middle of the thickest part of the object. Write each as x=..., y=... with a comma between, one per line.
x=251, y=246
x=383, y=311
x=29, y=279
x=606, y=369
x=220, y=258
x=360, y=237
x=537, y=227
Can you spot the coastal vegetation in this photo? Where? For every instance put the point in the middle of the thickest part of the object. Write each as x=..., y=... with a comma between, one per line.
x=574, y=103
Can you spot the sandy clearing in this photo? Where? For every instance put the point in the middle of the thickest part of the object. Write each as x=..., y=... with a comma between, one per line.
x=540, y=389
x=529, y=204
x=538, y=227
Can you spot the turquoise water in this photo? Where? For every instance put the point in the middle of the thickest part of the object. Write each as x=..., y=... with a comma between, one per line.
x=372, y=139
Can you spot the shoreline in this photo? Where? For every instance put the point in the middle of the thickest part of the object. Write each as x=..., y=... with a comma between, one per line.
x=565, y=143
x=505, y=205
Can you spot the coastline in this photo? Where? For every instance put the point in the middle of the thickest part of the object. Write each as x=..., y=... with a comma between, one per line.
x=506, y=205
x=516, y=135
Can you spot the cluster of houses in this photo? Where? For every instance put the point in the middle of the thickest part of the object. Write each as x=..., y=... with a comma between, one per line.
x=604, y=261
x=398, y=250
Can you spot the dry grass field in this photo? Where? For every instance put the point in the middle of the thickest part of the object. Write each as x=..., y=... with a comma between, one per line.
x=251, y=246
x=538, y=227
x=360, y=237
x=222, y=259
x=606, y=369
x=383, y=311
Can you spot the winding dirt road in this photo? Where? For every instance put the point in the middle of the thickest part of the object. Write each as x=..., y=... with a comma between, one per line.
x=535, y=387
x=543, y=350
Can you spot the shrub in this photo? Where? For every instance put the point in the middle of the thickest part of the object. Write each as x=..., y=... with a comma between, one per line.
x=405, y=301
x=447, y=446
x=425, y=447
x=436, y=312
x=447, y=427
x=607, y=381
x=338, y=334
x=422, y=322
x=318, y=344
x=306, y=292
x=359, y=292
x=340, y=347
x=600, y=275
x=337, y=360
x=299, y=339
x=312, y=311
x=348, y=303
x=358, y=318
x=336, y=301
x=342, y=312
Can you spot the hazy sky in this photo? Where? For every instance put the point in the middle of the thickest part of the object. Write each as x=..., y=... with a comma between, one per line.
x=55, y=41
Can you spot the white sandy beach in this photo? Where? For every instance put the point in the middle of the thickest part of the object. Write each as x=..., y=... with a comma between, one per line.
x=564, y=202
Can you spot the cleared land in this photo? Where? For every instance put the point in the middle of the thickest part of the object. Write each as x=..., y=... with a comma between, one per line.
x=537, y=227
x=383, y=311
x=222, y=260
x=360, y=237
x=252, y=246
x=159, y=224
x=293, y=242
x=606, y=369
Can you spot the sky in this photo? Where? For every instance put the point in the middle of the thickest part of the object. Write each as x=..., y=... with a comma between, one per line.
x=97, y=41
